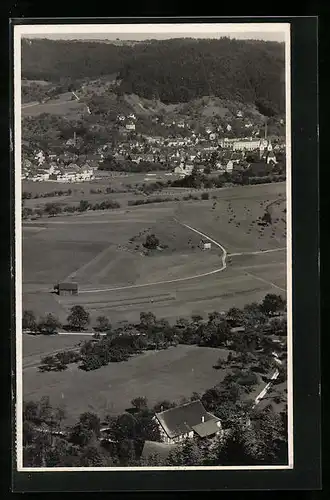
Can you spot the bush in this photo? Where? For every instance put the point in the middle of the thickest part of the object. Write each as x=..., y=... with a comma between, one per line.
x=49, y=325
x=205, y=196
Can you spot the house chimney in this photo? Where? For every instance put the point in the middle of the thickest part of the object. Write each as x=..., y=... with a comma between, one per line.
x=161, y=408
x=203, y=419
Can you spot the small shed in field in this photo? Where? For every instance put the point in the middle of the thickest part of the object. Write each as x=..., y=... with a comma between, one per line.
x=205, y=245
x=66, y=288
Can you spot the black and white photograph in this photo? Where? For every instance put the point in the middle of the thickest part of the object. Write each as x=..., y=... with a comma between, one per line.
x=153, y=247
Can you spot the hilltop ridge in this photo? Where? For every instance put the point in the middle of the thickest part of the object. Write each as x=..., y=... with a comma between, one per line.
x=172, y=71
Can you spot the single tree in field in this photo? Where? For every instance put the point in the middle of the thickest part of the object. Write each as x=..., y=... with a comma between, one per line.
x=49, y=324
x=151, y=242
x=78, y=318
x=29, y=321
x=102, y=324
x=140, y=403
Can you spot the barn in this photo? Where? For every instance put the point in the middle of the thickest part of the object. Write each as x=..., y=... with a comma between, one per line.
x=66, y=288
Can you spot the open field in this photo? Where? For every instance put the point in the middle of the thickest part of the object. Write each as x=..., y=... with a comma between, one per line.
x=82, y=190
x=62, y=105
x=170, y=374
x=37, y=346
x=115, y=279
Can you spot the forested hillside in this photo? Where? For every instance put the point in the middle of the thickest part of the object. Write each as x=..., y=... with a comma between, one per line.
x=53, y=60
x=174, y=71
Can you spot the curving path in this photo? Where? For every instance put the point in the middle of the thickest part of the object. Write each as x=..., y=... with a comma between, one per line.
x=127, y=287
x=196, y=276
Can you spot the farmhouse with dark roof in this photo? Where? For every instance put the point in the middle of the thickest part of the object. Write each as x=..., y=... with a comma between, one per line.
x=188, y=420
x=66, y=288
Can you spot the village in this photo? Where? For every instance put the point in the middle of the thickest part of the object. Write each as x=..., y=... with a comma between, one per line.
x=213, y=149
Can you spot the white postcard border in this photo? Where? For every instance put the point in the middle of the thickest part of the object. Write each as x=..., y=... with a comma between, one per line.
x=26, y=30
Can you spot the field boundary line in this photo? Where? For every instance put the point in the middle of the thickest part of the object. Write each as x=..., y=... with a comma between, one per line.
x=265, y=281
x=85, y=266
x=176, y=280
x=258, y=252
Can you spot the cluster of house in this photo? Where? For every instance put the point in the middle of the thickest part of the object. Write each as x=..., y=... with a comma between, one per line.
x=44, y=167
x=230, y=155
x=73, y=173
x=180, y=153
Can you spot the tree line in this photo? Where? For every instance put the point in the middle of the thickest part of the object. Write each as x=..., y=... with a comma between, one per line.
x=27, y=195
x=53, y=209
x=247, y=329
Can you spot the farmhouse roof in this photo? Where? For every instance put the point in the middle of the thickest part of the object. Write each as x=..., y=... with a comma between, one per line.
x=182, y=419
x=68, y=286
x=206, y=428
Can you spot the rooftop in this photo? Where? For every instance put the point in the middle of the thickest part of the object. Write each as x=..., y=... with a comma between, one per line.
x=184, y=418
x=68, y=286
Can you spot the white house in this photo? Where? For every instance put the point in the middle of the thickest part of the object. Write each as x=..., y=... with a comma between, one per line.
x=40, y=157
x=42, y=175
x=271, y=158
x=205, y=245
x=229, y=166
x=130, y=126
x=247, y=145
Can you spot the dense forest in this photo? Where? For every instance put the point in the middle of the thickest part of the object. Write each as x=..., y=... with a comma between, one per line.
x=176, y=70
